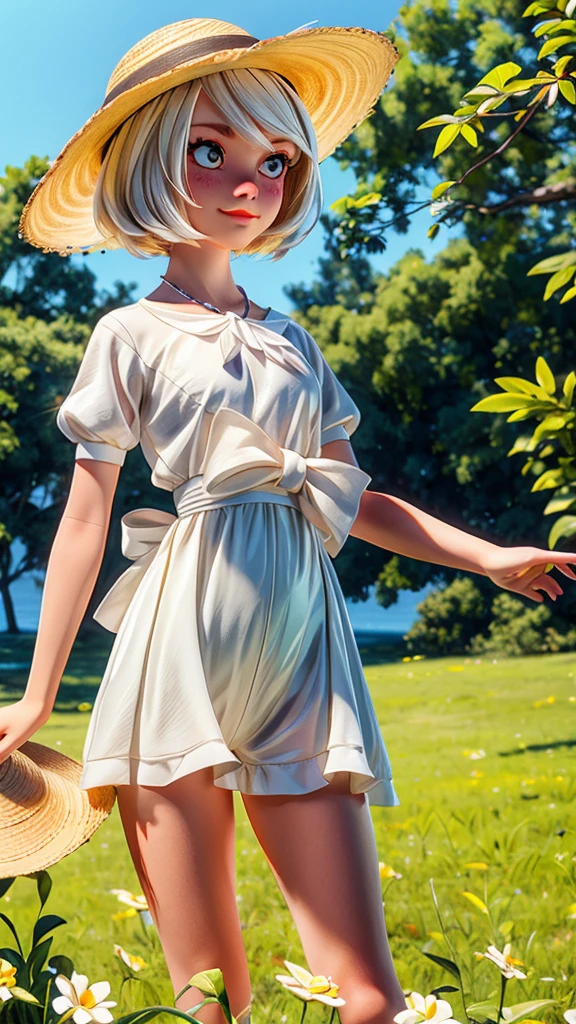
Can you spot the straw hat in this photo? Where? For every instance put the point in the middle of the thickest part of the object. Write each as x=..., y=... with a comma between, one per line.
x=338, y=74
x=44, y=815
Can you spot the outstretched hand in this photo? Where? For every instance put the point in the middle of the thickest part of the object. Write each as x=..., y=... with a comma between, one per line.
x=525, y=570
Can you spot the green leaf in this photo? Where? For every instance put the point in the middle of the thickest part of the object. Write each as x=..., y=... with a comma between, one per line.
x=551, y=478
x=505, y=403
x=521, y=1010
x=443, y=961
x=149, y=1012
x=439, y=190
x=559, y=504
x=433, y=122
x=523, y=443
x=23, y=995
x=37, y=956
x=551, y=425
x=446, y=138
x=558, y=280
x=476, y=901
x=342, y=205
x=62, y=964
x=210, y=983
x=569, y=295
x=518, y=384
x=551, y=263
x=501, y=74
x=563, y=527
x=469, y=134
x=5, y=884
x=45, y=924
x=568, y=387
x=370, y=199
x=522, y=414
x=433, y=231
x=544, y=376
x=485, y=1010
x=553, y=45
x=12, y=928
x=44, y=884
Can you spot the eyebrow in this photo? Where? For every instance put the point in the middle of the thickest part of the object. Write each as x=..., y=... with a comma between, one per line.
x=225, y=129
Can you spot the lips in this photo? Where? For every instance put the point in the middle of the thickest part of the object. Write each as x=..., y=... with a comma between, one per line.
x=239, y=213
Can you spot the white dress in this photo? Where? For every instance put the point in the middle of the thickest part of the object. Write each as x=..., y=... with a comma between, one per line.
x=233, y=645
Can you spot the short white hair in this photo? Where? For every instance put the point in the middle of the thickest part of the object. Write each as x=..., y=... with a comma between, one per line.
x=142, y=192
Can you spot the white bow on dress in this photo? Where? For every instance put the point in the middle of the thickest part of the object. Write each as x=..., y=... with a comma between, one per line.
x=240, y=456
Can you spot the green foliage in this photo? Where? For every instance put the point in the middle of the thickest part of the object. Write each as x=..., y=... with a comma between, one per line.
x=449, y=619
x=413, y=361
x=48, y=306
x=35, y=980
x=552, y=440
x=521, y=123
x=518, y=629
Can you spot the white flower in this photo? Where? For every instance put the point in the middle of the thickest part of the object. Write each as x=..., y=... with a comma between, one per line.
x=425, y=1008
x=310, y=987
x=570, y=1016
x=124, y=896
x=135, y=962
x=504, y=962
x=5, y=993
x=88, y=1002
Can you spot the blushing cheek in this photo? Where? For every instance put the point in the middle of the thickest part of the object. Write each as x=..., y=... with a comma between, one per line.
x=210, y=180
x=273, y=188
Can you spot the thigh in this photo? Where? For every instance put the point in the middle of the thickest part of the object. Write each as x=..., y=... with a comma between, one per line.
x=181, y=839
x=322, y=850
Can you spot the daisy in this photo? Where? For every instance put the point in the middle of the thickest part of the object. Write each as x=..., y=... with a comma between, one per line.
x=87, y=1002
x=425, y=1008
x=134, y=962
x=310, y=987
x=504, y=962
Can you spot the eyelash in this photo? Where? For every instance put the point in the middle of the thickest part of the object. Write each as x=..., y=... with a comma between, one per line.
x=192, y=146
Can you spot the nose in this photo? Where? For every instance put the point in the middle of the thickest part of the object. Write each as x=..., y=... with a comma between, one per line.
x=248, y=189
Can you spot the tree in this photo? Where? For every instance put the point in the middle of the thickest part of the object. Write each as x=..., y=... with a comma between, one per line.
x=48, y=306
x=436, y=333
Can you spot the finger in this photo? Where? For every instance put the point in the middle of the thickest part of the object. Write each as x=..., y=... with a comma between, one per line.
x=546, y=584
x=566, y=570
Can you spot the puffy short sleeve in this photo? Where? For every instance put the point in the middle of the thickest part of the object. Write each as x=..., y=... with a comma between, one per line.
x=101, y=412
x=340, y=415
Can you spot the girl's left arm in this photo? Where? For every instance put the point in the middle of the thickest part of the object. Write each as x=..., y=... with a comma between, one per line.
x=394, y=524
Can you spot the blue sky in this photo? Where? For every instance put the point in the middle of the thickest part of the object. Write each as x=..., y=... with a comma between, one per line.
x=58, y=57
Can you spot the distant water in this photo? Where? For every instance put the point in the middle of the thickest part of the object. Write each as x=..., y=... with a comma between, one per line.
x=366, y=616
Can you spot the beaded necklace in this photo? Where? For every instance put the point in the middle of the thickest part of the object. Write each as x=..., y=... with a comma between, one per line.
x=208, y=305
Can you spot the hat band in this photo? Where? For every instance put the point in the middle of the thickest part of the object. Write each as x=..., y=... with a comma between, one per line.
x=168, y=61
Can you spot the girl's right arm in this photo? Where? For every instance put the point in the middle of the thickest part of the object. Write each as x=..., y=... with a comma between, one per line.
x=73, y=567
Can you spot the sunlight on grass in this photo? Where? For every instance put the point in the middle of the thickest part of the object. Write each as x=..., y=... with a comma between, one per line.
x=495, y=833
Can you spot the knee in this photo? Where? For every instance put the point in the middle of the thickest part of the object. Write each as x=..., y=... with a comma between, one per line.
x=370, y=1004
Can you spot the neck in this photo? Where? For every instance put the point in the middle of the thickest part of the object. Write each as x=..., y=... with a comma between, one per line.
x=205, y=273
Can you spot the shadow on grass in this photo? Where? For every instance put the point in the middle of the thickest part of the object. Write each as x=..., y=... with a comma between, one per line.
x=538, y=748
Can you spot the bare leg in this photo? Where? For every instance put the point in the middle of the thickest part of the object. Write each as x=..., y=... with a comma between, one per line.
x=181, y=839
x=322, y=850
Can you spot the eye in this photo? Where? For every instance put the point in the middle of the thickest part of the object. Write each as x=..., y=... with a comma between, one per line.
x=206, y=153
x=273, y=165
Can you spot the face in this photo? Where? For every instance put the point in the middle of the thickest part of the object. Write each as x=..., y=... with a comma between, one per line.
x=239, y=186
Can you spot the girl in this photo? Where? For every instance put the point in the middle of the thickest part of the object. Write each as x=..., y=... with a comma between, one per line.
x=234, y=665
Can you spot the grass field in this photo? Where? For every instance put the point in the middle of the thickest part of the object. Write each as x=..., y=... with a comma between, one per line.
x=484, y=755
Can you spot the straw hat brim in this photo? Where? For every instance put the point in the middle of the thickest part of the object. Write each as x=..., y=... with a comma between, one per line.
x=338, y=74
x=44, y=815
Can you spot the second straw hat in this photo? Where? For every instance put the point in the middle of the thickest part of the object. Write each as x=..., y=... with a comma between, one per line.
x=338, y=73
x=44, y=815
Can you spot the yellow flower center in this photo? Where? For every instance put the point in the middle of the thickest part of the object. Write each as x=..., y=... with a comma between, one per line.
x=431, y=1010
x=319, y=984
x=512, y=960
x=87, y=999
x=7, y=973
